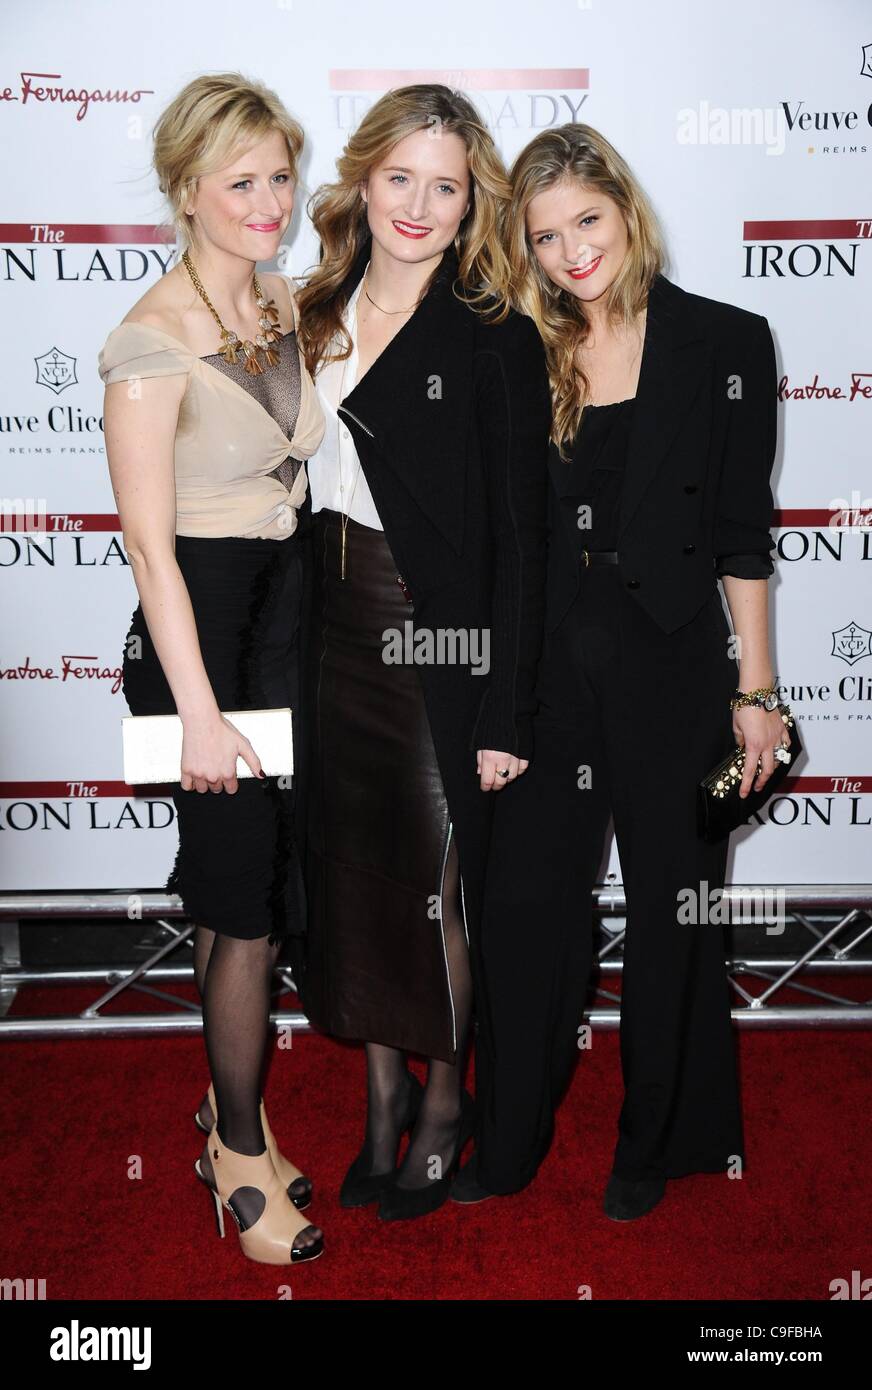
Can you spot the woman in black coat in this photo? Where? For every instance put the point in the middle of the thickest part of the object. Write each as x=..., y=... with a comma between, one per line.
x=666, y=401
x=429, y=504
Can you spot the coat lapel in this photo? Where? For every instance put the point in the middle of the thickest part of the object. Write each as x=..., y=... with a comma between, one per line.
x=675, y=359
x=411, y=411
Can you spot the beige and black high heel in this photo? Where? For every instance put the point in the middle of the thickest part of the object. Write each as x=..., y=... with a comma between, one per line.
x=270, y=1239
x=289, y=1175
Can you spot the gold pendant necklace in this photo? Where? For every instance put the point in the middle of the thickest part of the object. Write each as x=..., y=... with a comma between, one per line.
x=269, y=334
x=344, y=515
x=344, y=527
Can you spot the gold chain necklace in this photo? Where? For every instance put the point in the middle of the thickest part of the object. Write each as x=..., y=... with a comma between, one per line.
x=269, y=318
x=388, y=311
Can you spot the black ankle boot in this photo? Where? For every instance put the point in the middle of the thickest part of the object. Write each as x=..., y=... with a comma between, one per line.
x=626, y=1199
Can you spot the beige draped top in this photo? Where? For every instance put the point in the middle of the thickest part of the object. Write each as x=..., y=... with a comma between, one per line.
x=227, y=444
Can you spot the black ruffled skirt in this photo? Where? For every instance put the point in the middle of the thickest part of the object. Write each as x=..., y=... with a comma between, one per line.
x=237, y=870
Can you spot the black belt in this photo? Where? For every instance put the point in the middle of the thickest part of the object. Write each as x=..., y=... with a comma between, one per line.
x=599, y=557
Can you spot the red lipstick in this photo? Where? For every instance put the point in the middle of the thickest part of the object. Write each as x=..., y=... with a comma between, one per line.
x=588, y=270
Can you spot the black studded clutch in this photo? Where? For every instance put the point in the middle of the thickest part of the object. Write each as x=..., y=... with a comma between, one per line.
x=720, y=809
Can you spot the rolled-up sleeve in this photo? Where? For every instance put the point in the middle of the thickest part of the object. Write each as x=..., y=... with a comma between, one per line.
x=742, y=541
x=751, y=566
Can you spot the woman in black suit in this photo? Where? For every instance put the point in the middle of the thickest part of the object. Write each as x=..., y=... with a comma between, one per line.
x=429, y=501
x=666, y=401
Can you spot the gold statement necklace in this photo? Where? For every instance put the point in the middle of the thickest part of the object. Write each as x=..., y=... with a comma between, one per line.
x=269, y=334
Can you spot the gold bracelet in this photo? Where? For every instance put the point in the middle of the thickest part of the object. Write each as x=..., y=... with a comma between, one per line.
x=764, y=698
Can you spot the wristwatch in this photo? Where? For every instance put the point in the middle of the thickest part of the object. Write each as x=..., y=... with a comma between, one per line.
x=765, y=698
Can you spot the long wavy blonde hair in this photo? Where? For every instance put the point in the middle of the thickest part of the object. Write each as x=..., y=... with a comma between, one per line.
x=339, y=213
x=577, y=152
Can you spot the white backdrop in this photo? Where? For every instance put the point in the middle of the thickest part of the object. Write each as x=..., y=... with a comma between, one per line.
x=748, y=123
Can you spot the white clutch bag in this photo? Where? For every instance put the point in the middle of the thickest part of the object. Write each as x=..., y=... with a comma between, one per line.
x=152, y=744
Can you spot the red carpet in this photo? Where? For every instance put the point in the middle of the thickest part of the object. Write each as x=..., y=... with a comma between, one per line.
x=76, y=1114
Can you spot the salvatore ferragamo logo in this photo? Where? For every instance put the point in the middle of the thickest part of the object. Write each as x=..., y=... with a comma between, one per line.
x=32, y=89
x=860, y=388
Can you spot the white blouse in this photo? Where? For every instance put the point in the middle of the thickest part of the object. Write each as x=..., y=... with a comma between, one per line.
x=336, y=453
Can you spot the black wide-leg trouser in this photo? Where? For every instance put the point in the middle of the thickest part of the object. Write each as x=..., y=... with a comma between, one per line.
x=630, y=719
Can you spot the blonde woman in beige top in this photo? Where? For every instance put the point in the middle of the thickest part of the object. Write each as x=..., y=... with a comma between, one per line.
x=206, y=435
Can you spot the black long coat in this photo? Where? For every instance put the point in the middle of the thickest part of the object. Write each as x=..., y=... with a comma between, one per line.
x=451, y=426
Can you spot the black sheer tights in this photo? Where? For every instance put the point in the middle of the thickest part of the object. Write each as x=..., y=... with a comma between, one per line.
x=234, y=978
x=433, y=1140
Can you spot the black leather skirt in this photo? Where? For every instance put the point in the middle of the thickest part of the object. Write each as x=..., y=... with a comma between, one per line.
x=379, y=826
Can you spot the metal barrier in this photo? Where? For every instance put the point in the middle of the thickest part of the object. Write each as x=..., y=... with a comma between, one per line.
x=829, y=946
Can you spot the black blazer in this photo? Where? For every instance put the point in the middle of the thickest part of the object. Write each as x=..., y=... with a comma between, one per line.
x=696, y=500
x=451, y=426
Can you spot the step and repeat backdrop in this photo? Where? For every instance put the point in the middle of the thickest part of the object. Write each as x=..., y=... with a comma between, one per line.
x=751, y=127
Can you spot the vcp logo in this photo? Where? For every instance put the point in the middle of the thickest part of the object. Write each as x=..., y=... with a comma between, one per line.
x=851, y=643
x=56, y=370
